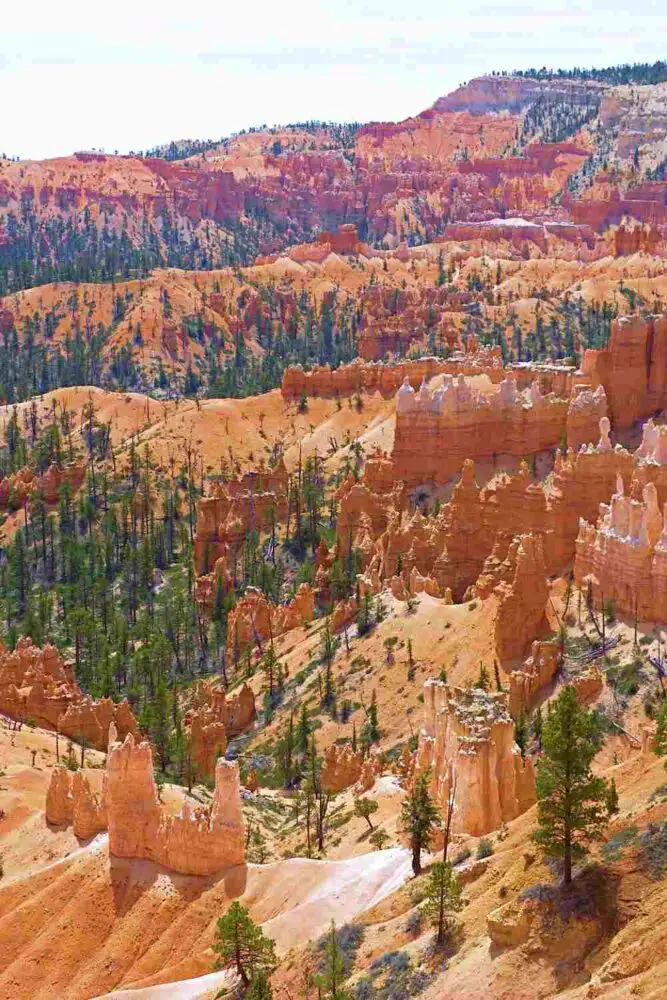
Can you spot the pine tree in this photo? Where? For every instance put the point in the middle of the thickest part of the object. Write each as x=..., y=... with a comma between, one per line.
x=371, y=733
x=443, y=897
x=612, y=798
x=330, y=981
x=303, y=729
x=571, y=800
x=483, y=679
x=242, y=945
x=364, y=808
x=418, y=817
x=521, y=732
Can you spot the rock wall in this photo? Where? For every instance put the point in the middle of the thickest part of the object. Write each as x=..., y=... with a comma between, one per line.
x=212, y=719
x=194, y=842
x=632, y=368
x=521, y=600
x=527, y=683
x=385, y=378
x=467, y=741
x=35, y=683
x=16, y=489
x=255, y=619
x=235, y=508
x=624, y=557
x=437, y=431
x=343, y=767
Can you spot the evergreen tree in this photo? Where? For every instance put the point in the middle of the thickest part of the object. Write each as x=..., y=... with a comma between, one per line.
x=260, y=987
x=571, y=800
x=330, y=980
x=443, y=897
x=242, y=945
x=418, y=817
x=365, y=808
x=612, y=798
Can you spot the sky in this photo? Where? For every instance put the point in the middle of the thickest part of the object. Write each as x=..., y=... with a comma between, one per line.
x=130, y=74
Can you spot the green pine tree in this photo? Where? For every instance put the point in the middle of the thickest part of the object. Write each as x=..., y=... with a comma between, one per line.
x=241, y=945
x=443, y=897
x=418, y=818
x=571, y=800
x=330, y=981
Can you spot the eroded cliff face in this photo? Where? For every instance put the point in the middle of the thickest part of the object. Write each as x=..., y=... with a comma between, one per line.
x=17, y=489
x=624, y=557
x=35, y=683
x=71, y=799
x=343, y=767
x=436, y=431
x=467, y=742
x=255, y=619
x=212, y=720
x=249, y=503
x=632, y=368
x=387, y=378
x=197, y=841
x=521, y=599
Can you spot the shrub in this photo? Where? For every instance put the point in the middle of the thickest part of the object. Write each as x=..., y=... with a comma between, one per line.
x=653, y=849
x=616, y=843
x=461, y=856
x=348, y=939
x=484, y=848
x=414, y=922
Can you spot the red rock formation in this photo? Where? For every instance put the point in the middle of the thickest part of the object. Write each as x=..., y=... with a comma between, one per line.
x=479, y=427
x=360, y=376
x=341, y=768
x=212, y=720
x=532, y=678
x=36, y=684
x=624, y=558
x=195, y=842
x=467, y=742
x=632, y=368
x=235, y=508
x=255, y=619
x=23, y=485
x=70, y=799
x=521, y=606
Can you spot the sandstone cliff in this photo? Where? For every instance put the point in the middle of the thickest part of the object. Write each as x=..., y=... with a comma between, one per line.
x=467, y=742
x=522, y=600
x=255, y=619
x=624, y=557
x=632, y=369
x=71, y=799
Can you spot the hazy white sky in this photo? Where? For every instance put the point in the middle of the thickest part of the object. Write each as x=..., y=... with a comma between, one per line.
x=77, y=74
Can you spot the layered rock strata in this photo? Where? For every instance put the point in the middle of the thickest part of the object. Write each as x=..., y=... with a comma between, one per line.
x=212, y=720
x=436, y=431
x=521, y=600
x=71, y=799
x=632, y=368
x=236, y=507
